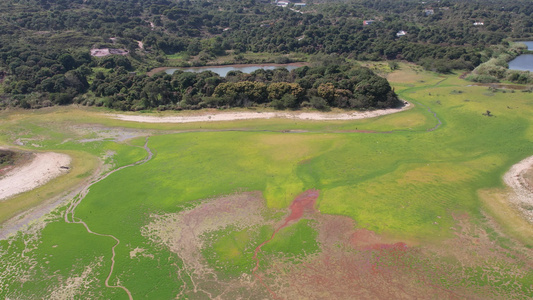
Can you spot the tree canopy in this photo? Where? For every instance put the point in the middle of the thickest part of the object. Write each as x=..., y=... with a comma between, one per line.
x=45, y=57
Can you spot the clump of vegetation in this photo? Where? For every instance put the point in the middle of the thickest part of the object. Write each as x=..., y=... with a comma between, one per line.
x=6, y=157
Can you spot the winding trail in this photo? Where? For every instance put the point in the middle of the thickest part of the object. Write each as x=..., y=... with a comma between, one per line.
x=70, y=218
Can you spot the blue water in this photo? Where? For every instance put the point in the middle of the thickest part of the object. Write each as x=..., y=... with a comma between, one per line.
x=523, y=62
x=223, y=70
x=529, y=45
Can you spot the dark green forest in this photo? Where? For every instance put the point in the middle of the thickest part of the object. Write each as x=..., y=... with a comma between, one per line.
x=321, y=87
x=45, y=47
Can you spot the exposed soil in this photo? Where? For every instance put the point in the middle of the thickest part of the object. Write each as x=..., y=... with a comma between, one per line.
x=96, y=132
x=529, y=177
x=518, y=178
x=215, y=116
x=108, y=51
x=303, y=202
x=41, y=169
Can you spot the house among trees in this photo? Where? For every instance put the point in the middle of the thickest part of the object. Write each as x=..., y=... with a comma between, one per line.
x=108, y=51
x=301, y=4
x=478, y=24
x=429, y=11
x=368, y=22
x=282, y=3
x=401, y=33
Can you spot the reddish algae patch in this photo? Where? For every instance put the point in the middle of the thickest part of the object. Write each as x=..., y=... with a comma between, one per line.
x=302, y=203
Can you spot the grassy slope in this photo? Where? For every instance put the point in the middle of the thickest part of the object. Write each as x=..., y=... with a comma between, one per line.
x=405, y=184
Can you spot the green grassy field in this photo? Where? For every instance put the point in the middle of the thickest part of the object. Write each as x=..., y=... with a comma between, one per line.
x=434, y=191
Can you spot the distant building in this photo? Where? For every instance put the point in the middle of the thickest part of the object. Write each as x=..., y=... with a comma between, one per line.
x=108, y=51
x=401, y=33
x=368, y=22
x=299, y=4
x=478, y=24
x=429, y=11
x=282, y=3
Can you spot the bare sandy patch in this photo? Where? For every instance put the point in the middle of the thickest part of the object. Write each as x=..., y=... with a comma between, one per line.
x=41, y=169
x=233, y=116
x=517, y=178
x=140, y=252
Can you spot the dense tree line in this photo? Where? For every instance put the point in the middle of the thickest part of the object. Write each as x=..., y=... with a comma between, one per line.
x=346, y=86
x=262, y=27
x=49, y=76
x=44, y=44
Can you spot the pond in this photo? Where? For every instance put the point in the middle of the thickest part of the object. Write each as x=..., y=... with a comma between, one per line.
x=223, y=70
x=523, y=62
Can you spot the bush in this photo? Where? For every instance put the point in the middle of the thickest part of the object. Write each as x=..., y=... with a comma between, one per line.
x=277, y=104
x=482, y=78
x=290, y=101
x=319, y=103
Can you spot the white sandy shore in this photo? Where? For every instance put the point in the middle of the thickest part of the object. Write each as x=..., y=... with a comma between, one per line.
x=42, y=168
x=522, y=194
x=224, y=116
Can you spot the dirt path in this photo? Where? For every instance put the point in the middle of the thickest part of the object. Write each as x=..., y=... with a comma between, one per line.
x=522, y=194
x=225, y=116
x=70, y=218
x=41, y=169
